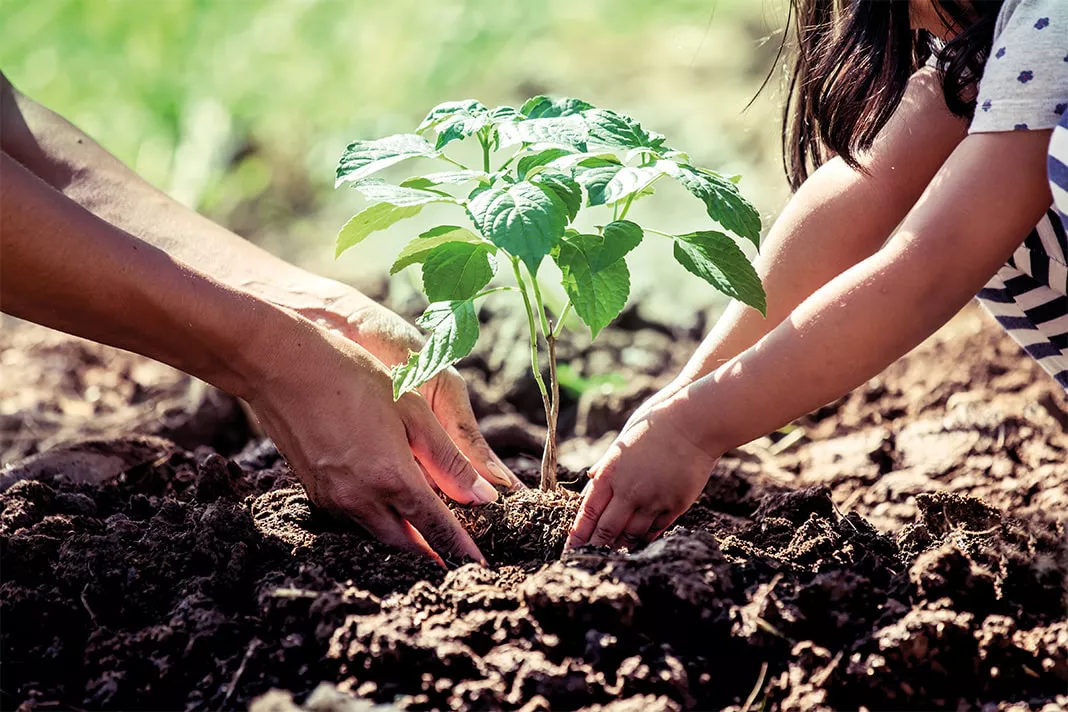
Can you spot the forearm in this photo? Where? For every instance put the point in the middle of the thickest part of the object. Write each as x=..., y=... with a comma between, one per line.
x=824, y=230
x=65, y=268
x=968, y=223
x=75, y=165
x=839, y=217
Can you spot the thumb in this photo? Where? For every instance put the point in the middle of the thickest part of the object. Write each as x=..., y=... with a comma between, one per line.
x=440, y=457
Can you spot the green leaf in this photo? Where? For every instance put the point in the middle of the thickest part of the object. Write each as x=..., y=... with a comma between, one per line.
x=460, y=126
x=723, y=201
x=416, y=251
x=598, y=291
x=618, y=238
x=613, y=131
x=381, y=192
x=453, y=328
x=445, y=177
x=628, y=181
x=717, y=259
x=594, y=175
x=363, y=158
x=457, y=270
x=503, y=114
x=537, y=161
x=565, y=188
x=377, y=217
x=567, y=131
x=526, y=220
x=539, y=107
x=448, y=109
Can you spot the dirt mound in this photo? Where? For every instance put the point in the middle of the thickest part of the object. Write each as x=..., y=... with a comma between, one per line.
x=138, y=573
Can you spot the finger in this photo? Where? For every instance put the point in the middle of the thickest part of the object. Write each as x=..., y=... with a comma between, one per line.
x=661, y=523
x=453, y=409
x=433, y=520
x=595, y=497
x=610, y=525
x=436, y=452
x=429, y=480
x=390, y=528
x=637, y=530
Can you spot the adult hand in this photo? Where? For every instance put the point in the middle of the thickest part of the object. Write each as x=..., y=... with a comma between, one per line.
x=328, y=405
x=389, y=338
x=650, y=475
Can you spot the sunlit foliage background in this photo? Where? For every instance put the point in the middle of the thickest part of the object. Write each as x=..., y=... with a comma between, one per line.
x=241, y=107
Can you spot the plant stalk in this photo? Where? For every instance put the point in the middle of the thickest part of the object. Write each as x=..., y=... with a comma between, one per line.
x=550, y=403
x=548, y=457
x=552, y=410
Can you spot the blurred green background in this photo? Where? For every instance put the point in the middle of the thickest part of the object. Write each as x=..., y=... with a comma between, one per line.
x=240, y=108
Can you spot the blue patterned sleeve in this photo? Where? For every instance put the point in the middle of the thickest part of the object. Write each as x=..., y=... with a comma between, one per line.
x=1025, y=82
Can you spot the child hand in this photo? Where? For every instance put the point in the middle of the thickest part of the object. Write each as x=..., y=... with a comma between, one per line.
x=650, y=475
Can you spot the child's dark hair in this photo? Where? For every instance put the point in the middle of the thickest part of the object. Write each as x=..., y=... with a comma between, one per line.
x=853, y=61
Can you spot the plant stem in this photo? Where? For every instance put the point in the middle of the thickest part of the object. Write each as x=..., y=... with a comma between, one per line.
x=548, y=461
x=626, y=206
x=548, y=458
x=509, y=161
x=485, y=153
x=541, y=307
x=560, y=321
x=487, y=292
x=552, y=412
x=453, y=162
x=533, y=332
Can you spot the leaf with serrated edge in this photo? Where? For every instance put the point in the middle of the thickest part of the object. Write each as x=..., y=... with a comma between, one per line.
x=526, y=220
x=567, y=131
x=364, y=158
x=717, y=259
x=453, y=328
x=380, y=192
x=611, y=130
x=628, y=181
x=565, y=187
x=723, y=202
x=445, y=178
x=377, y=217
x=443, y=111
x=598, y=293
x=456, y=270
x=459, y=126
x=594, y=175
x=536, y=162
x=415, y=252
x=539, y=107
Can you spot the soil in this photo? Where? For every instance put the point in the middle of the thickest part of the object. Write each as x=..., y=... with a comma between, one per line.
x=901, y=548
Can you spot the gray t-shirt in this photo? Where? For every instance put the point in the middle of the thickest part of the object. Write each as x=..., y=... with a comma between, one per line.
x=1025, y=82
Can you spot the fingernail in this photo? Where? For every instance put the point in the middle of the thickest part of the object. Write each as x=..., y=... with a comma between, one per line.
x=506, y=476
x=484, y=492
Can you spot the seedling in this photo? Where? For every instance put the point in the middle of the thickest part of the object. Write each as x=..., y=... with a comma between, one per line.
x=563, y=157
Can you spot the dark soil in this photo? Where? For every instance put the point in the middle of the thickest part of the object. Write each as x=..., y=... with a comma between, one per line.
x=905, y=549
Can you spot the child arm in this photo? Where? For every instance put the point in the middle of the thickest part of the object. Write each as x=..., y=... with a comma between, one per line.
x=976, y=211
x=839, y=217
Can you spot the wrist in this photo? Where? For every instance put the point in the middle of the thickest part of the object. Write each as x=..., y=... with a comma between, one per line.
x=694, y=421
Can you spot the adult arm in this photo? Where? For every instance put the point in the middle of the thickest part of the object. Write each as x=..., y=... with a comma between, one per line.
x=73, y=164
x=325, y=401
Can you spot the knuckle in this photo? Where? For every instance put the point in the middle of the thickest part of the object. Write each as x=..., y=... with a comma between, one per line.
x=455, y=464
x=603, y=534
x=391, y=485
x=590, y=510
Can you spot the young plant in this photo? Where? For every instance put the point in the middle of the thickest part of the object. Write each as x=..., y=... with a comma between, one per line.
x=565, y=156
